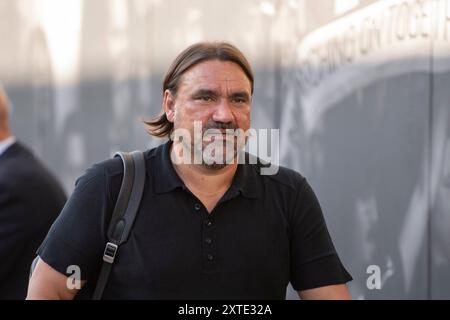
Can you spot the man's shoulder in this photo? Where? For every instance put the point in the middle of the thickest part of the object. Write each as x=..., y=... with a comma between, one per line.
x=108, y=167
x=277, y=174
x=25, y=177
x=20, y=166
x=111, y=167
x=14, y=157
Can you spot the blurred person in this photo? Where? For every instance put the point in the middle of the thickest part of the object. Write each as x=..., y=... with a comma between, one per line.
x=209, y=230
x=30, y=200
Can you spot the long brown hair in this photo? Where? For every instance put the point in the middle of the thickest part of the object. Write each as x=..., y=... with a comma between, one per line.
x=161, y=127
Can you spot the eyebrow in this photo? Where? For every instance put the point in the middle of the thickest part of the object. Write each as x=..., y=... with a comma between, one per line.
x=241, y=94
x=214, y=93
x=205, y=92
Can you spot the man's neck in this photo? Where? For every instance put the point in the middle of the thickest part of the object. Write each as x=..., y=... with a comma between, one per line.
x=204, y=180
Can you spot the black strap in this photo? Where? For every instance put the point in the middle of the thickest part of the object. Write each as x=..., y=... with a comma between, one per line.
x=124, y=213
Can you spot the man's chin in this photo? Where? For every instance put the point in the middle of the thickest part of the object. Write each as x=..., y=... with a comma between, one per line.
x=221, y=161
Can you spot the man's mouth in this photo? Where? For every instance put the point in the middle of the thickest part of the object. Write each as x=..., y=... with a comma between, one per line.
x=219, y=137
x=219, y=134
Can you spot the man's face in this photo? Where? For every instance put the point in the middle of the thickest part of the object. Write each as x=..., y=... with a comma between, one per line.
x=216, y=94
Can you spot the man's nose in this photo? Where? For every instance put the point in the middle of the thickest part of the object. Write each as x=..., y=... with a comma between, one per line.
x=222, y=112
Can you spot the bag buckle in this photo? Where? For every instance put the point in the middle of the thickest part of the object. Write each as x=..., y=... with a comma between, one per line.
x=110, y=252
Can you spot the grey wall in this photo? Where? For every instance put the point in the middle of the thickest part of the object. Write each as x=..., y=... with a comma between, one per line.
x=369, y=91
x=361, y=98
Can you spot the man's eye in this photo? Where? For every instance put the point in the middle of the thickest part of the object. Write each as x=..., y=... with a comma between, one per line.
x=239, y=100
x=204, y=98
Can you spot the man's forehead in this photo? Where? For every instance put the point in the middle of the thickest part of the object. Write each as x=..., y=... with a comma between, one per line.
x=215, y=80
x=216, y=84
x=215, y=76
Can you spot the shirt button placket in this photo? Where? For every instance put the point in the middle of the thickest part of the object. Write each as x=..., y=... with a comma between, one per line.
x=208, y=253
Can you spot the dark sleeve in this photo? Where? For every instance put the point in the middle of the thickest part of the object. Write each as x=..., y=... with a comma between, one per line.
x=78, y=235
x=314, y=261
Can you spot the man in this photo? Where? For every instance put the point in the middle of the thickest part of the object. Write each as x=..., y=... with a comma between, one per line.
x=205, y=230
x=30, y=200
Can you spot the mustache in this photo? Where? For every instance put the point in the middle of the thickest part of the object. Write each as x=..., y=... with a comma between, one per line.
x=220, y=126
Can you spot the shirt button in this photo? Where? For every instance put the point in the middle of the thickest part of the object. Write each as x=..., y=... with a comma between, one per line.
x=197, y=206
x=208, y=223
x=208, y=240
x=210, y=257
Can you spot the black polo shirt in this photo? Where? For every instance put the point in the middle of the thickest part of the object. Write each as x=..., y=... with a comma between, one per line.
x=263, y=233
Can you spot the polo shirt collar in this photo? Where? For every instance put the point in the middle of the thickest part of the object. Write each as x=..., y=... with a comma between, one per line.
x=166, y=179
x=246, y=180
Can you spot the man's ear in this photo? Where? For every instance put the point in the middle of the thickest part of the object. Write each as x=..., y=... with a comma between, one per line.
x=169, y=105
